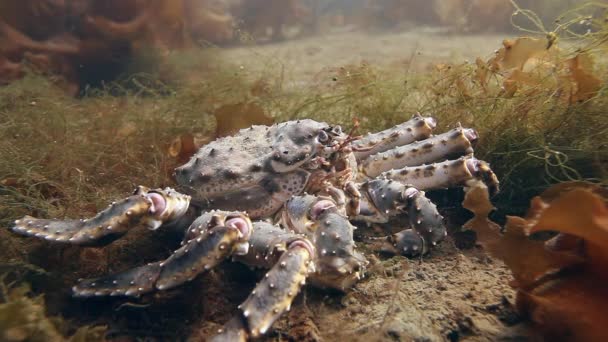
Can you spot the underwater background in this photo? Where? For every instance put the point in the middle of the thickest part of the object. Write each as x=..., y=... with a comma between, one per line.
x=98, y=97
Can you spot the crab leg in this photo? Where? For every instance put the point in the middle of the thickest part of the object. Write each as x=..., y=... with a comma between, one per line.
x=458, y=142
x=447, y=174
x=221, y=235
x=384, y=199
x=146, y=207
x=273, y=295
x=333, y=262
x=266, y=245
x=233, y=331
x=417, y=128
x=339, y=265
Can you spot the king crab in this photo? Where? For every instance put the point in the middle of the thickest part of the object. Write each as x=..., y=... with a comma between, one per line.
x=282, y=197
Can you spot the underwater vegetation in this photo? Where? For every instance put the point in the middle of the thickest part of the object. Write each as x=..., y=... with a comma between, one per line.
x=89, y=43
x=23, y=317
x=561, y=281
x=83, y=43
x=538, y=104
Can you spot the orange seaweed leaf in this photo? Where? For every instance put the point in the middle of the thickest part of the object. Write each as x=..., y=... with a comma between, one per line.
x=477, y=200
x=583, y=214
x=557, y=190
x=516, y=80
x=568, y=309
x=527, y=259
x=233, y=117
x=482, y=73
x=515, y=54
x=561, y=283
x=584, y=85
x=579, y=213
x=185, y=145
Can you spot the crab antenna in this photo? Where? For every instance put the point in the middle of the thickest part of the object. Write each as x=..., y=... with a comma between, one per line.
x=351, y=137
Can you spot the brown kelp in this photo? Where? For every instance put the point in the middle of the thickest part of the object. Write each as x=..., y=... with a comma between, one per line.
x=537, y=105
x=23, y=317
x=561, y=281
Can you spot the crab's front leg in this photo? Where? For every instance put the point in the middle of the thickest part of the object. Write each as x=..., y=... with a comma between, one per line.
x=150, y=208
x=307, y=220
x=383, y=199
x=211, y=238
x=290, y=258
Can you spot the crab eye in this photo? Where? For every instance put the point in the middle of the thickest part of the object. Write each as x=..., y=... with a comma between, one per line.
x=323, y=137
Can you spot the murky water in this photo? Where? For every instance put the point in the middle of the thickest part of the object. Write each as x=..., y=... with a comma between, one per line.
x=99, y=97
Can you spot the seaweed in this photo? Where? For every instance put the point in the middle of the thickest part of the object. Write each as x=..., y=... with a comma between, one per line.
x=549, y=126
x=91, y=42
x=561, y=281
x=23, y=318
x=540, y=115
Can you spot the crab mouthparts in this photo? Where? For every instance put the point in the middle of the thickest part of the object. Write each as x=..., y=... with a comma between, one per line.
x=159, y=204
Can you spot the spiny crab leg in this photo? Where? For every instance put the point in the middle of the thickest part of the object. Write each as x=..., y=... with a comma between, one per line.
x=222, y=235
x=146, y=207
x=458, y=142
x=447, y=174
x=266, y=245
x=417, y=128
x=338, y=264
x=274, y=294
x=308, y=220
x=384, y=199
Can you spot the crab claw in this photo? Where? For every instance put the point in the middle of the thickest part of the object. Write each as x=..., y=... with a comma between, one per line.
x=166, y=205
x=146, y=207
x=385, y=199
x=482, y=171
x=407, y=242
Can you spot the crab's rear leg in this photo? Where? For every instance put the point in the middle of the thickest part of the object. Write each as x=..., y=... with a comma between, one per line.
x=417, y=128
x=150, y=208
x=212, y=238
